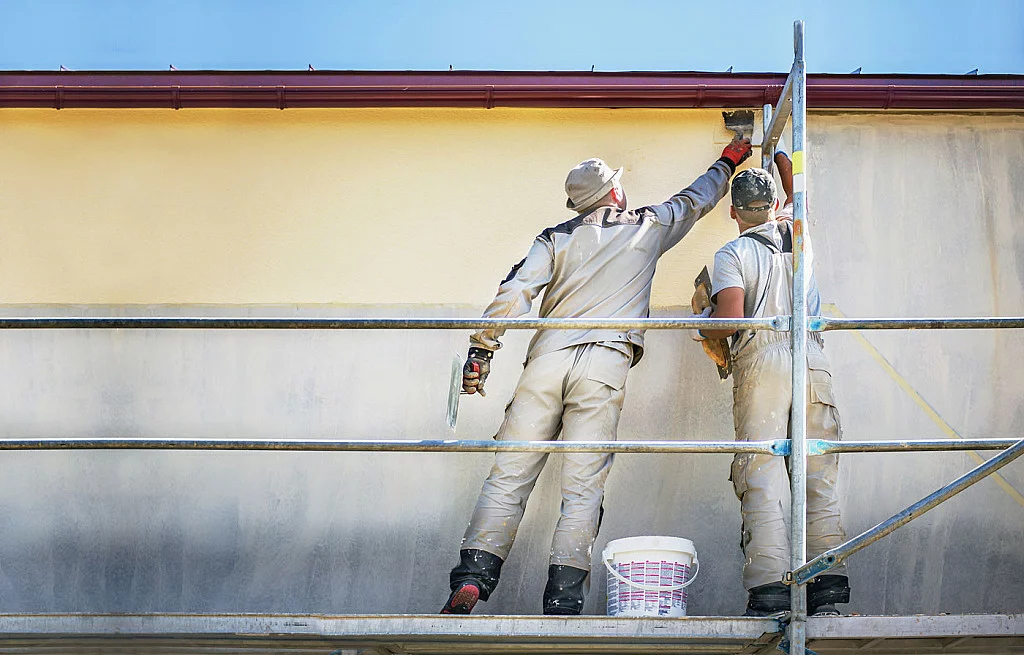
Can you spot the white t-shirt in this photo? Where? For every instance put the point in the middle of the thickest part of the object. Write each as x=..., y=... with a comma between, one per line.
x=745, y=262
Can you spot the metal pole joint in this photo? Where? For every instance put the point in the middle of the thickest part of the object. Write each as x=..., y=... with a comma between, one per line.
x=813, y=569
x=818, y=447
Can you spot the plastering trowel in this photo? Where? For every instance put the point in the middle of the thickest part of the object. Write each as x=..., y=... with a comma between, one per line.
x=454, y=391
x=740, y=123
x=716, y=349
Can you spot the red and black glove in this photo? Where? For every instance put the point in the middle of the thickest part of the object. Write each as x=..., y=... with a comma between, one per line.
x=736, y=152
x=475, y=370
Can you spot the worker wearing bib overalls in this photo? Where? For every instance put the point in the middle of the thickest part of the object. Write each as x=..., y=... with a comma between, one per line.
x=753, y=278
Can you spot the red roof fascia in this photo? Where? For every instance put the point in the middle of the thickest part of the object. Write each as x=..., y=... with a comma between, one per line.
x=273, y=89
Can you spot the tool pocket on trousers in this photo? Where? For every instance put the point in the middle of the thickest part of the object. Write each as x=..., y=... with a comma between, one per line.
x=821, y=393
x=608, y=366
x=817, y=361
x=819, y=380
x=738, y=474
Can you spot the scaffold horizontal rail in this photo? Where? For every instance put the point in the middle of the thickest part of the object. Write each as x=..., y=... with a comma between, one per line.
x=775, y=323
x=382, y=634
x=777, y=447
x=823, y=447
x=827, y=323
x=778, y=323
x=390, y=634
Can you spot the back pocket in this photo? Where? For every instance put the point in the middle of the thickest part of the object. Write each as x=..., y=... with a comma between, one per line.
x=608, y=366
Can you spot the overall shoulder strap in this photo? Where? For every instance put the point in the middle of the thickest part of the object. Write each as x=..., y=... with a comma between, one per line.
x=762, y=240
x=787, y=239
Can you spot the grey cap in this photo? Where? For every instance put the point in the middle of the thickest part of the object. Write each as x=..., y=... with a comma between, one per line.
x=753, y=190
x=589, y=182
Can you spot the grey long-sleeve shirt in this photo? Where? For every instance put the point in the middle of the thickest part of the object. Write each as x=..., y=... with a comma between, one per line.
x=600, y=265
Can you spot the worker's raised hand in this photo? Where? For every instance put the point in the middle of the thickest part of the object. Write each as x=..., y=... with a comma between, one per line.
x=476, y=369
x=737, y=151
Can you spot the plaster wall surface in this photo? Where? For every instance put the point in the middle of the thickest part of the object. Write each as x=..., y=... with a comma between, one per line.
x=364, y=206
x=420, y=213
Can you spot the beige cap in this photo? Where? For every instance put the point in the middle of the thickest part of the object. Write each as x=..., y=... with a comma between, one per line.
x=588, y=183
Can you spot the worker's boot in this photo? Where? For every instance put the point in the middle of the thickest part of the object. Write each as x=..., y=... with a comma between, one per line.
x=767, y=600
x=473, y=579
x=564, y=591
x=825, y=592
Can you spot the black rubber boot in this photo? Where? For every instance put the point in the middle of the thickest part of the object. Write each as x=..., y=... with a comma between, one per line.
x=473, y=579
x=825, y=592
x=767, y=600
x=563, y=593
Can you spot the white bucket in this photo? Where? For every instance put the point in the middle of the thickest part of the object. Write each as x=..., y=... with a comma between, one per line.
x=648, y=576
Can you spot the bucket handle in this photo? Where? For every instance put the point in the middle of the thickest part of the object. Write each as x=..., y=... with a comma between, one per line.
x=621, y=578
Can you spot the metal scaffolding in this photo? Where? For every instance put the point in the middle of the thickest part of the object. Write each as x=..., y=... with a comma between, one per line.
x=791, y=105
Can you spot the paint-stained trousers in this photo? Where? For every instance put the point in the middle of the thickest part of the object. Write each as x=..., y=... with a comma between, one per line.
x=762, y=398
x=576, y=390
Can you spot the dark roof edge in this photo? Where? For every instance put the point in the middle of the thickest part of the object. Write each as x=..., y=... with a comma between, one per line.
x=277, y=89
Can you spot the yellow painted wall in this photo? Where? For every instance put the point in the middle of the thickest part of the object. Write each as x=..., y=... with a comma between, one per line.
x=318, y=206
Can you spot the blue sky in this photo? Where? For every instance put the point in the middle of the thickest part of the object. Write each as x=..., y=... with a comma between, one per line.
x=894, y=36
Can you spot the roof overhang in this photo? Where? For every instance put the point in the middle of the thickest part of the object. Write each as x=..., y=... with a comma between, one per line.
x=283, y=90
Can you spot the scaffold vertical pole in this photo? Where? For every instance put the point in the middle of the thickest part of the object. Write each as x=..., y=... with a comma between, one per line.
x=798, y=418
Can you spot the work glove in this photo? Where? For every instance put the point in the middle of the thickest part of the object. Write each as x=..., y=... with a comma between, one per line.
x=737, y=151
x=706, y=313
x=476, y=369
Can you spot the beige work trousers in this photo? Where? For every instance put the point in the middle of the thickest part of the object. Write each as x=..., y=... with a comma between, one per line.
x=576, y=390
x=762, y=398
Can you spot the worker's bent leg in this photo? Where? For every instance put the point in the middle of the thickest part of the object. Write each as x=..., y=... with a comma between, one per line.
x=761, y=404
x=594, y=391
x=534, y=414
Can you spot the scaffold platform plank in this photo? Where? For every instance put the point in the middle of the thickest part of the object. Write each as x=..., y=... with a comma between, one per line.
x=188, y=634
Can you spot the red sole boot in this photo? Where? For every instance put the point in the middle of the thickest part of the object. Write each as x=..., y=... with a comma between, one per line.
x=462, y=600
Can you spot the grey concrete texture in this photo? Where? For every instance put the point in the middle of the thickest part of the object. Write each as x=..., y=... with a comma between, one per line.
x=911, y=216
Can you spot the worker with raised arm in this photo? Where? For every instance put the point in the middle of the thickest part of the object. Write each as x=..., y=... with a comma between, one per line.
x=599, y=264
x=753, y=278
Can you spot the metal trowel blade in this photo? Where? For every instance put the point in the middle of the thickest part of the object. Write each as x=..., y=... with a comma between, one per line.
x=740, y=122
x=454, y=389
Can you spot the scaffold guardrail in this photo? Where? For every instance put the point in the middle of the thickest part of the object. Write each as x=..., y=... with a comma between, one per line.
x=775, y=323
x=796, y=448
x=776, y=447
